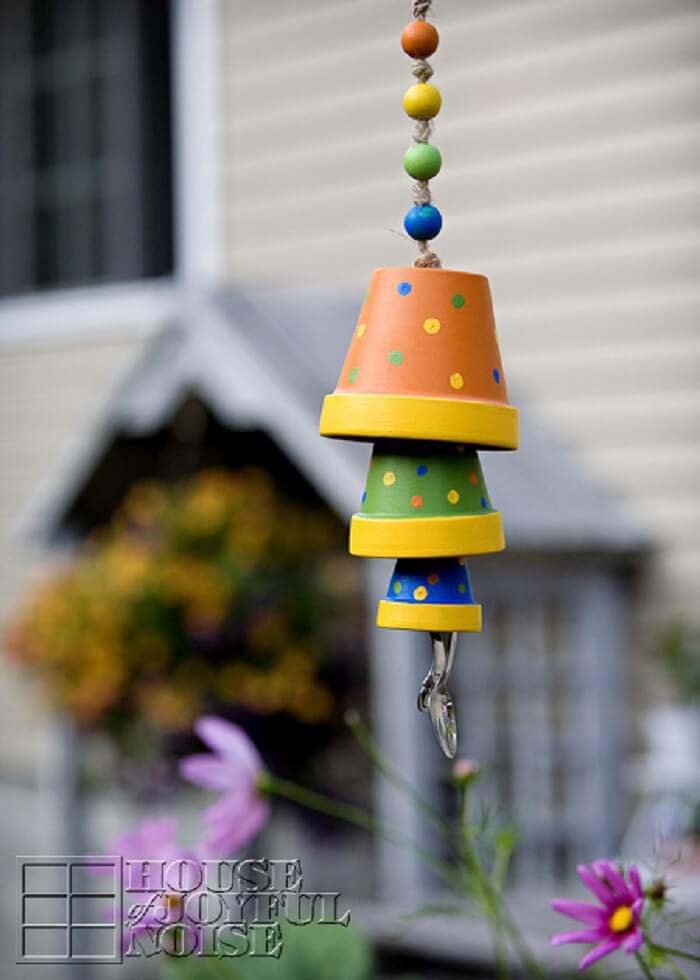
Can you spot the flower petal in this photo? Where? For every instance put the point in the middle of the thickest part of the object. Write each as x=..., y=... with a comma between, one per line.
x=631, y=943
x=228, y=808
x=581, y=911
x=637, y=909
x=152, y=839
x=226, y=839
x=579, y=936
x=618, y=885
x=598, y=952
x=635, y=879
x=594, y=884
x=230, y=741
x=211, y=772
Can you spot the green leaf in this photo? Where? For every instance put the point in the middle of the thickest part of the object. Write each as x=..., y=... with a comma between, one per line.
x=310, y=952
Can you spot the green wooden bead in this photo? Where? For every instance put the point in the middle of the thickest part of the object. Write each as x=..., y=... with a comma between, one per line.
x=422, y=161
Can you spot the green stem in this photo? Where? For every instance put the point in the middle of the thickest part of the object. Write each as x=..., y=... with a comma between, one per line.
x=681, y=954
x=676, y=970
x=353, y=815
x=367, y=743
x=644, y=967
x=492, y=901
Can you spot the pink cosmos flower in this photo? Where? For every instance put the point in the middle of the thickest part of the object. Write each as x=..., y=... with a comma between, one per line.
x=234, y=769
x=153, y=840
x=616, y=923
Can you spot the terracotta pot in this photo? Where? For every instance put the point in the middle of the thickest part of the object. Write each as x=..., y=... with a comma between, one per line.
x=424, y=363
x=430, y=595
x=425, y=500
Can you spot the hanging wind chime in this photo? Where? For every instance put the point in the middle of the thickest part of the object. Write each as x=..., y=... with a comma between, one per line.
x=423, y=381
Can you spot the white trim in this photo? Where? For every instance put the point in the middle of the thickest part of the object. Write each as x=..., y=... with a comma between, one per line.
x=196, y=93
x=94, y=311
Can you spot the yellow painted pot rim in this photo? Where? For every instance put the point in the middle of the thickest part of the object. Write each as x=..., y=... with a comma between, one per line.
x=480, y=424
x=433, y=617
x=426, y=537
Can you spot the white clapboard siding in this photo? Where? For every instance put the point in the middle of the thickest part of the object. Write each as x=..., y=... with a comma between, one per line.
x=570, y=132
x=49, y=399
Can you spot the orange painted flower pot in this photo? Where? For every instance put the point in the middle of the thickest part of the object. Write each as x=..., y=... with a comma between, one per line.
x=424, y=363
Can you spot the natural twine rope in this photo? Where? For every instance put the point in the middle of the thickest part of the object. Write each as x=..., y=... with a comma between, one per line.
x=423, y=72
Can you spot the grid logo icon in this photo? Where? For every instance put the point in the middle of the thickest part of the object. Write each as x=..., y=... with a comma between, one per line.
x=69, y=909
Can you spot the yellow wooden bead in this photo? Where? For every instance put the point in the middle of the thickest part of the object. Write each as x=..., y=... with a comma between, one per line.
x=422, y=101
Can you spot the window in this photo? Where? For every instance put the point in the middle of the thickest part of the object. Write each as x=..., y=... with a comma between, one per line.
x=85, y=142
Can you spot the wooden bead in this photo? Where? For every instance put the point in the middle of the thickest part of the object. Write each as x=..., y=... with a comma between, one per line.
x=419, y=39
x=422, y=161
x=423, y=222
x=422, y=101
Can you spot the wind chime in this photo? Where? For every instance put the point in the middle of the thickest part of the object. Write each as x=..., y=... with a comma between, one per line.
x=423, y=381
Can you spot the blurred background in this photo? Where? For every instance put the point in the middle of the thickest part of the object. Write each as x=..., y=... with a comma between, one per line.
x=193, y=194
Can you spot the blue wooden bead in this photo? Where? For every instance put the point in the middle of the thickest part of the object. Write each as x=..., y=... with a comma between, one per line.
x=423, y=222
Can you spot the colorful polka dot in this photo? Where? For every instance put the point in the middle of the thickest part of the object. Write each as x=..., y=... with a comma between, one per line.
x=422, y=469
x=460, y=561
x=420, y=593
x=473, y=479
x=361, y=330
x=453, y=496
x=456, y=380
x=397, y=587
x=395, y=357
x=353, y=375
x=433, y=579
x=389, y=479
x=496, y=375
x=484, y=503
x=462, y=588
x=432, y=325
x=404, y=288
x=364, y=496
x=458, y=301
x=416, y=501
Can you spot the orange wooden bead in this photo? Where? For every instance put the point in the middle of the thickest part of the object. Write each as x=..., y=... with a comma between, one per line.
x=419, y=39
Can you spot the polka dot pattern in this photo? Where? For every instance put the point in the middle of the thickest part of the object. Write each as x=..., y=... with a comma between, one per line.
x=443, y=581
x=428, y=336
x=441, y=482
x=353, y=375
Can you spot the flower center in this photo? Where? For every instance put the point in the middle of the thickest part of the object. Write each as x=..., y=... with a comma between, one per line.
x=173, y=902
x=621, y=919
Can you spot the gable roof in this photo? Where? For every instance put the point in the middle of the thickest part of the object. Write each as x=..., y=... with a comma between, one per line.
x=264, y=358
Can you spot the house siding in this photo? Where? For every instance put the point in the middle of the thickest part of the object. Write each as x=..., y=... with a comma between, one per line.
x=50, y=395
x=570, y=138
